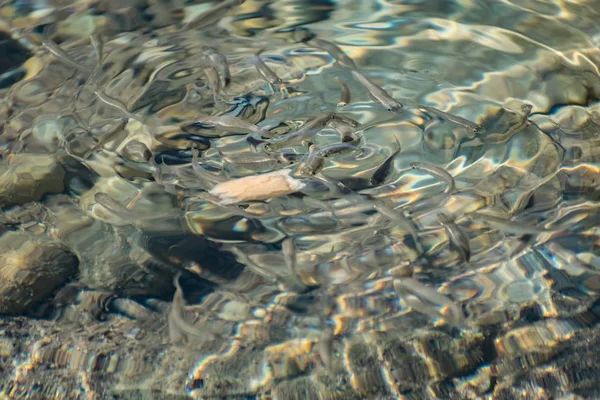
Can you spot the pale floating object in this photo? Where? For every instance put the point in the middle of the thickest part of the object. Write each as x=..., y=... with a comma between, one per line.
x=256, y=187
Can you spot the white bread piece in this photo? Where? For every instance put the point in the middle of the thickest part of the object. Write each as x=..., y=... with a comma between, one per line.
x=257, y=187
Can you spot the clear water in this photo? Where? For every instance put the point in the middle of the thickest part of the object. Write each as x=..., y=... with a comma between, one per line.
x=379, y=296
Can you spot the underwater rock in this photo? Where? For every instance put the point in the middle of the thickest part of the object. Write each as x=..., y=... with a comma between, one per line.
x=28, y=177
x=296, y=389
x=31, y=268
x=366, y=379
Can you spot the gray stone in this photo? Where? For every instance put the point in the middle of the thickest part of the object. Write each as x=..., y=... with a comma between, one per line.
x=28, y=177
x=31, y=268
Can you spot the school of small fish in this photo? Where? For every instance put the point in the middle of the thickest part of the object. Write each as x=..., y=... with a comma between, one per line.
x=290, y=162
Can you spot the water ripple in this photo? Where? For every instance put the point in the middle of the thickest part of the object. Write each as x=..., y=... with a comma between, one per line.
x=496, y=231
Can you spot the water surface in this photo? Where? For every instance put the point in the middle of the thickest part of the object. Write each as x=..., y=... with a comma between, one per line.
x=354, y=286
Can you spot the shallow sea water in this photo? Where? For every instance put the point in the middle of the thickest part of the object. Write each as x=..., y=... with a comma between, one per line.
x=374, y=280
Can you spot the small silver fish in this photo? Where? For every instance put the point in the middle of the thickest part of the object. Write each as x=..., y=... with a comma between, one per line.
x=289, y=254
x=399, y=218
x=215, y=82
x=319, y=204
x=309, y=129
x=312, y=163
x=136, y=151
x=428, y=301
x=107, y=137
x=219, y=61
x=345, y=120
x=476, y=128
x=508, y=226
x=382, y=172
x=335, y=187
x=115, y=207
x=455, y=235
x=212, y=179
x=143, y=220
x=179, y=328
x=333, y=50
x=499, y=137
x=525, y=112
x=346, y=131
x=157, y=171
x=231, y=124
x=216, y=201
x=259, y=160
x=264, y=272
x=569, y=257
x=98, y=45
x=438, y=173
x=346, y=127
x=288, y=248
x=266, y=72
x=378, y=93
x=114, y=103
x=302, y=35
x=335, y=149
x=325, y=349
x=212, y=15
x=344, y=96
x=63, y=56
x=195, y=165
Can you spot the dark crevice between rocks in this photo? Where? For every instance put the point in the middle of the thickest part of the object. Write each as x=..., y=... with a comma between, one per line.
x=12, y=57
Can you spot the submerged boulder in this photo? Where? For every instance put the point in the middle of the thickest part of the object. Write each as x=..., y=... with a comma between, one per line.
x=28, y=177
x=31, y=268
